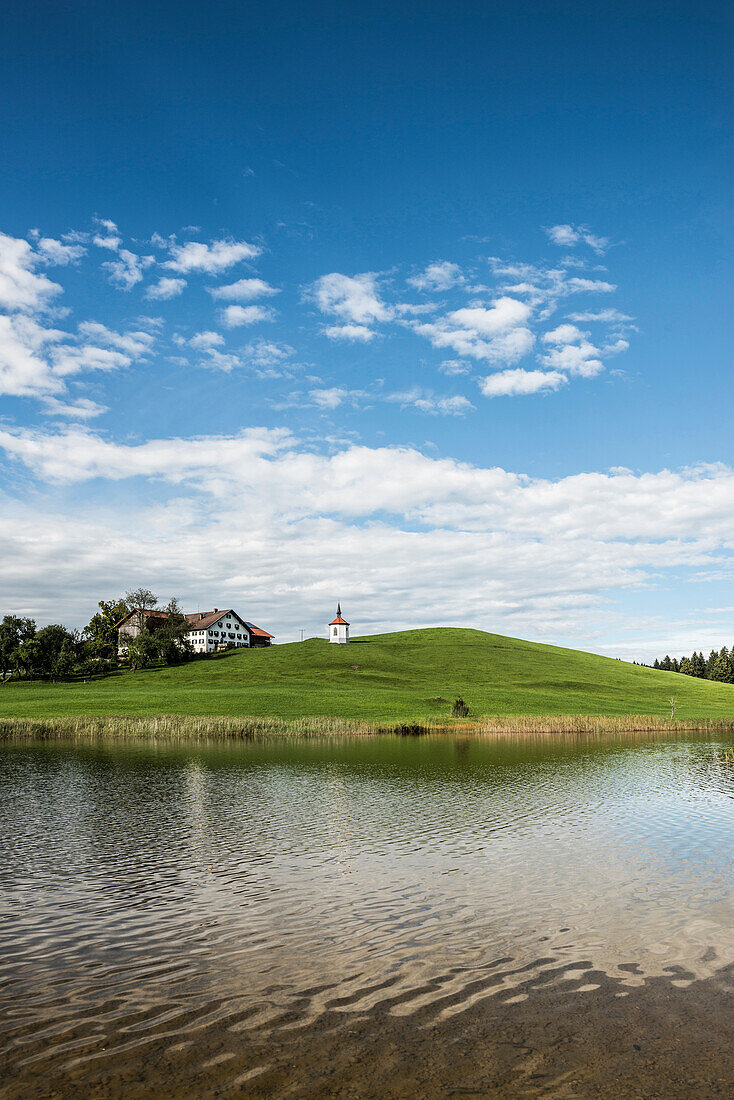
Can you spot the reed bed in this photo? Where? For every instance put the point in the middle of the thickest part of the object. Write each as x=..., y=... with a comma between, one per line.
x=173, y=727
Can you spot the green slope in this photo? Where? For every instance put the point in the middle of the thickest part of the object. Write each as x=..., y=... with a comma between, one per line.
x=411, y=675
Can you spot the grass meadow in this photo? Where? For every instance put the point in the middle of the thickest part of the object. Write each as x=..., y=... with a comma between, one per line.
x=406, y=677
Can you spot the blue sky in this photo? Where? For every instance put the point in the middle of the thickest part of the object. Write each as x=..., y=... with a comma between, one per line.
x=425, y=311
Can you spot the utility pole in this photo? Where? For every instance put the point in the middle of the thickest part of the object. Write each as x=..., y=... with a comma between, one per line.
x=301, y=633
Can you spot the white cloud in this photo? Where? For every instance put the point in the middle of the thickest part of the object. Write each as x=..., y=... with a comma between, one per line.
x=206, y=340
x=455, y=405
x=354, y=298
x=519, y=555
x=454, y=366
x=609, y=316
x=232, y=316
x=511, y=383
x=20, y=287
x=355, y=333
x=81, y=409
x=135, y=343
x=573, y=352
x=567, y=236
x=585, y=286
x=88, y=357
x=58, y=254
x=504, y=314
x=110, y=237
x=244, y=290
x=128, y=269
x=265, y=353
x=221, y=360
x=328, y=398
x=210, y=258
x=563, y=235
x=564, y=334
x=24, y=370
x=438, y=276
x=165, y=289
x=504, y=348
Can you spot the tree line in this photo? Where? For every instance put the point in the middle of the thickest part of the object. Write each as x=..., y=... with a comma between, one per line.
x=719, y=665
x=55, y=653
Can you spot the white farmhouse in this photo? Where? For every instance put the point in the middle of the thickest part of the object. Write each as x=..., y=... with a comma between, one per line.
x=210, y=630
x=338, y=627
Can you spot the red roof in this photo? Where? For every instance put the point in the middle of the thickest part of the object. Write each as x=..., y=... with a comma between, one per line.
x=338, y=621
x=256, y=630
x=202, y=620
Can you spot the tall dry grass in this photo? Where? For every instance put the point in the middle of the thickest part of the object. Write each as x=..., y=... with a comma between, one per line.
x=173, y=727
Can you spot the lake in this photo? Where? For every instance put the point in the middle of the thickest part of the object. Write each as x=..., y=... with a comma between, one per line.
x=387, y=917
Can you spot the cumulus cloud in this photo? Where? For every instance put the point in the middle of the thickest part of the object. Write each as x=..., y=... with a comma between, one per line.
x=266, y=353
x=564, y=235
x=80, y=409
x=244, y=290
x=57, y=253
x=459, y=535
x=354, y=298
x=454, y=366
x=24, y=369
x=165, y=289
x=567, y=236
x=233, y=316
x=608, y=316
x=328, y=398
x=206, y=340
x=498, y=334
x=438, y=276
x=355, y=333
x=21, y=287
x=126, y=271
x=511, y=383
x=573, y=352
x=109, y=235
x=212, y=258
x=135, y=343
x=454, y=405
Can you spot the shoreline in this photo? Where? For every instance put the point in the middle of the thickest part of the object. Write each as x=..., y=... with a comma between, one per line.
x=185, y=728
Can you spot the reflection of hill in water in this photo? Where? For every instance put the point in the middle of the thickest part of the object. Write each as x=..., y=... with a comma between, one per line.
x=244, y=891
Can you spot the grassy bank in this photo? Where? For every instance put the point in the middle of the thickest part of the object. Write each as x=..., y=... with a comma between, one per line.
x=381, y=681
x=182, y=728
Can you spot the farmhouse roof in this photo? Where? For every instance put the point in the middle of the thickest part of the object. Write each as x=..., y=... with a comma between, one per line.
x=202, y=620
x=148, y=614
x=258, y=631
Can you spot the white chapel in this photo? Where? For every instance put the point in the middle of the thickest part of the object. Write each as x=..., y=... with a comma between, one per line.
x=338, y=627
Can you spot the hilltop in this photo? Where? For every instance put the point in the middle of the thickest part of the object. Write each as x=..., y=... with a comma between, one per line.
x=405, y=676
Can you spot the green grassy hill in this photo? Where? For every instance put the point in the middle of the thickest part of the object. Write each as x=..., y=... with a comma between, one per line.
x=407, y=676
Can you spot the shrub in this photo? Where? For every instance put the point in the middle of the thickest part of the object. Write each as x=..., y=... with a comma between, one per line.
x=460, y=709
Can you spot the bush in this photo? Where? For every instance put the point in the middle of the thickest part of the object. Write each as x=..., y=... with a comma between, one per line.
x=459, y=709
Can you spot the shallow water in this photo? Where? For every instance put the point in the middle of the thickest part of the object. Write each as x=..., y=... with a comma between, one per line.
x=383, y=917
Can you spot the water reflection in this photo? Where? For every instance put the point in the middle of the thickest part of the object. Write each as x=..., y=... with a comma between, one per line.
x=152, y=897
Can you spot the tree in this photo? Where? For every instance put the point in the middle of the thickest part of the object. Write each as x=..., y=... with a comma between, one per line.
x=142, y=650
x=172, y=635
x=56, y=654
x=30, y=657
x=14, y=632
x=100, y=633
x=141, y=599
x=722, y=668
x=699, y=665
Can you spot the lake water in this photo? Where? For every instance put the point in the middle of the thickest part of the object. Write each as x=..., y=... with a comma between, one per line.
x=387, y=917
